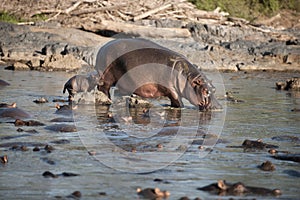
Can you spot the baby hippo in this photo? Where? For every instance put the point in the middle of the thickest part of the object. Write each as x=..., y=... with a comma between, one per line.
x=80, y=83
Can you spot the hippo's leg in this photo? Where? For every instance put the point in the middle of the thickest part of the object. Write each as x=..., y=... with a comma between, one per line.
x=176, y=103
x=71, y=94
x=104, y=89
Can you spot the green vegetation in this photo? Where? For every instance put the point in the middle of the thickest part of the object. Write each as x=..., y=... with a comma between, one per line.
x=249, y=9
x=6, y=17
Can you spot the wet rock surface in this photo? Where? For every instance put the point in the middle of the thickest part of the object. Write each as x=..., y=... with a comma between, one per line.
x=289, y=84
x=252, y=145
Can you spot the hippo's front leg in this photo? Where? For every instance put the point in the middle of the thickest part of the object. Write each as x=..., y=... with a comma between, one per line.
x=175, y=102
x=104, y=88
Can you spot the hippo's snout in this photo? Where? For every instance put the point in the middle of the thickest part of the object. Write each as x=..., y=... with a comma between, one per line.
x=209, y=102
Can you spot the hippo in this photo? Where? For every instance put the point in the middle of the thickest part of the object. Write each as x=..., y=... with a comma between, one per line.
x=153, y=193
x=15, y=113
x=144, y=68
x=80, y=83
x=6, y=105
x=237, y=189
x=3, y=83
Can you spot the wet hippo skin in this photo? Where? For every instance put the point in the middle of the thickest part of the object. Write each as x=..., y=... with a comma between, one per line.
x=149, y=70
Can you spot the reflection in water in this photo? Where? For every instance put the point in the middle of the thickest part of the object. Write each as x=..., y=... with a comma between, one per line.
x=149, y=129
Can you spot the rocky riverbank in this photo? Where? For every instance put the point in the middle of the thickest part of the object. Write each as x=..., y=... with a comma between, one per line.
x=220, y=42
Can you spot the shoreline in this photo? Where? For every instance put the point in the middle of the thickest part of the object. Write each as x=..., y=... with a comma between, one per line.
x=48, y=48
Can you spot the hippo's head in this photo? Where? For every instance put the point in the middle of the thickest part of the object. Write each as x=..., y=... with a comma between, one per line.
x=203, y=95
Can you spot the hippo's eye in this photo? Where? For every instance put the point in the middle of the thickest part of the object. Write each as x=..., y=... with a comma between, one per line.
x=208, y=93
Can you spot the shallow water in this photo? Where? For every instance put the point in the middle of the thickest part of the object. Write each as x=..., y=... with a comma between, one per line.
x=118, y=170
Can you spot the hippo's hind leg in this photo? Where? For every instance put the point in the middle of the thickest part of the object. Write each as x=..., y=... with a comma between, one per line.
x=71, y=95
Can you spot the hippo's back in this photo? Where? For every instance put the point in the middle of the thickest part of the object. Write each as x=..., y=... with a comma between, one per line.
x=116, y=48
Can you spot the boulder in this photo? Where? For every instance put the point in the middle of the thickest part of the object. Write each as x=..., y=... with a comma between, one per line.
x=58, y=62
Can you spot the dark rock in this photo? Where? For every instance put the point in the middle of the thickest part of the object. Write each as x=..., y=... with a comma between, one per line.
x=24, y=148
x=36, y=149
x=19, y=148
x=19, y=122
x=18, y=66
x=75, y=195
x=58, y=62
x=293, y=42
x=69, y=174
x=289, y=84
x=252, y=144
x=48, y=174
x=60, y=100
x=41, y=100
x=49, y=148
x=53, y=48
x=62, y=128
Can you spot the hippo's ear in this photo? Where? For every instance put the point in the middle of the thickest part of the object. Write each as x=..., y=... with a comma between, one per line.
x=222, y=185
x=183, y=66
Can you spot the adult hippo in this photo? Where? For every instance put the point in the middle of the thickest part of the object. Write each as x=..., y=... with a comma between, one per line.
x=149, y=70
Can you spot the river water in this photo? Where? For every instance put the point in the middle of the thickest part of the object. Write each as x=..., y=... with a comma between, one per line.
x=159, y=148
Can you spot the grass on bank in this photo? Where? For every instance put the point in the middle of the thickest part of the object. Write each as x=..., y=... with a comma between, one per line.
x=6, y=17
x=248, y=9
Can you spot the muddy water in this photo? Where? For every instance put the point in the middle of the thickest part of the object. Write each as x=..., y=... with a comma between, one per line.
x=133, y=148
